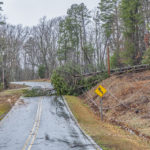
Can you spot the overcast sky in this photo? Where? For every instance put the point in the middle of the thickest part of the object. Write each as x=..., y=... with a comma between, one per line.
x=28, y=12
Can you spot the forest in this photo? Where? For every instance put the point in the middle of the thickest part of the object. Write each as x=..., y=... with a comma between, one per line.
x=76, y=43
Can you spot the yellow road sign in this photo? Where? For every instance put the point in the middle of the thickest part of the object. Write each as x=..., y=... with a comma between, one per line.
x=100, y=91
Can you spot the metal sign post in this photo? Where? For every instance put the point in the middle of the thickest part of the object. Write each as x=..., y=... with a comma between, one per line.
x=101, y=91
x=101, y=108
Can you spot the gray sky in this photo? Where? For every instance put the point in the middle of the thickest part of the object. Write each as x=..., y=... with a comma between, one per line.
x=28, y=12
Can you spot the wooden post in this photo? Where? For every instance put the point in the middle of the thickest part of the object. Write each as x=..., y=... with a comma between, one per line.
x=108, y=61
x=101, y=109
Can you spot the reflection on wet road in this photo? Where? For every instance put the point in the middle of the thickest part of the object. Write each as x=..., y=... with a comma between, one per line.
x=42, y=123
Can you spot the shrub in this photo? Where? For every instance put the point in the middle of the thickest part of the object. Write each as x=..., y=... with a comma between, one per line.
x=41, y=71
x=59, y=83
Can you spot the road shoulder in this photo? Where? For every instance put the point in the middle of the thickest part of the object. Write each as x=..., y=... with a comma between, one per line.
x=88, y=137
x=107, y=136
x=7, y=100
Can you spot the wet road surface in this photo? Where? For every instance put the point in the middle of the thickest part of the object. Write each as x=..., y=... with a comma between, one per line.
x=41, y=123
x=34, y=84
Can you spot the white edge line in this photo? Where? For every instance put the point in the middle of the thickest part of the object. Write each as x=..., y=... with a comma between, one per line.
x=88, y=137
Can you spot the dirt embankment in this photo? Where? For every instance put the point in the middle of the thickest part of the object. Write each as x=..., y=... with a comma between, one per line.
x=127, y=102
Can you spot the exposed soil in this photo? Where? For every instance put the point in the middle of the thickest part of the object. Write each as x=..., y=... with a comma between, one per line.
x=127, y=102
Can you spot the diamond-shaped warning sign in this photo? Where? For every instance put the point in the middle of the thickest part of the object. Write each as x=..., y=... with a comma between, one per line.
x=100, y=91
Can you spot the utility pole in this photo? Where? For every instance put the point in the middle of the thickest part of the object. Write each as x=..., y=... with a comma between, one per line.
x=108, y=60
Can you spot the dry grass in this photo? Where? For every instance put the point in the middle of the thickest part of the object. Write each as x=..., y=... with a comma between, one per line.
x=108, y=136
x=11, y=92
x=4, y=108
x=8, y=99
x=133, y=91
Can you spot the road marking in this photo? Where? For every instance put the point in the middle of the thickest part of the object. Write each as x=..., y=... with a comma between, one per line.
x=32, y=131
x=35, y=128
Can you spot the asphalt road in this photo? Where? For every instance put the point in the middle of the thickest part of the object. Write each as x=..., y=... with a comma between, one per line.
x=41, y=123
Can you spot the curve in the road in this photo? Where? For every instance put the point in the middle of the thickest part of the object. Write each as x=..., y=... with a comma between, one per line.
x=42, y=123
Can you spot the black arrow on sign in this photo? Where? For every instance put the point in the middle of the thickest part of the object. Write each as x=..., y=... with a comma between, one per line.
x=100, y=90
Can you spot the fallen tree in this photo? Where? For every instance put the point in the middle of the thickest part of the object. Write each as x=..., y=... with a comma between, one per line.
x=66, y=82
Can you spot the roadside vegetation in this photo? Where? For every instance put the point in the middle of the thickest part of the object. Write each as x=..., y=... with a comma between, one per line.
x=8, y=98
x=32, y=93
x=126, y=103
x=108, y=136
x=37, y=92
x=41, y=71
x=68, y=47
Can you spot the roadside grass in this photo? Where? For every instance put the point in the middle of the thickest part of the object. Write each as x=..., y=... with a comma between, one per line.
x=8, y=99
x=4, y=108
x=12, y=92
x=131, y=89
x=108, y=136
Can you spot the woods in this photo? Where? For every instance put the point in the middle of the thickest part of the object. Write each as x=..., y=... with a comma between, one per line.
x=79, y=40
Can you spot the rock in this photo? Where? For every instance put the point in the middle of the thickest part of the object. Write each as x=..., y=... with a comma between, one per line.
x=137, y=111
